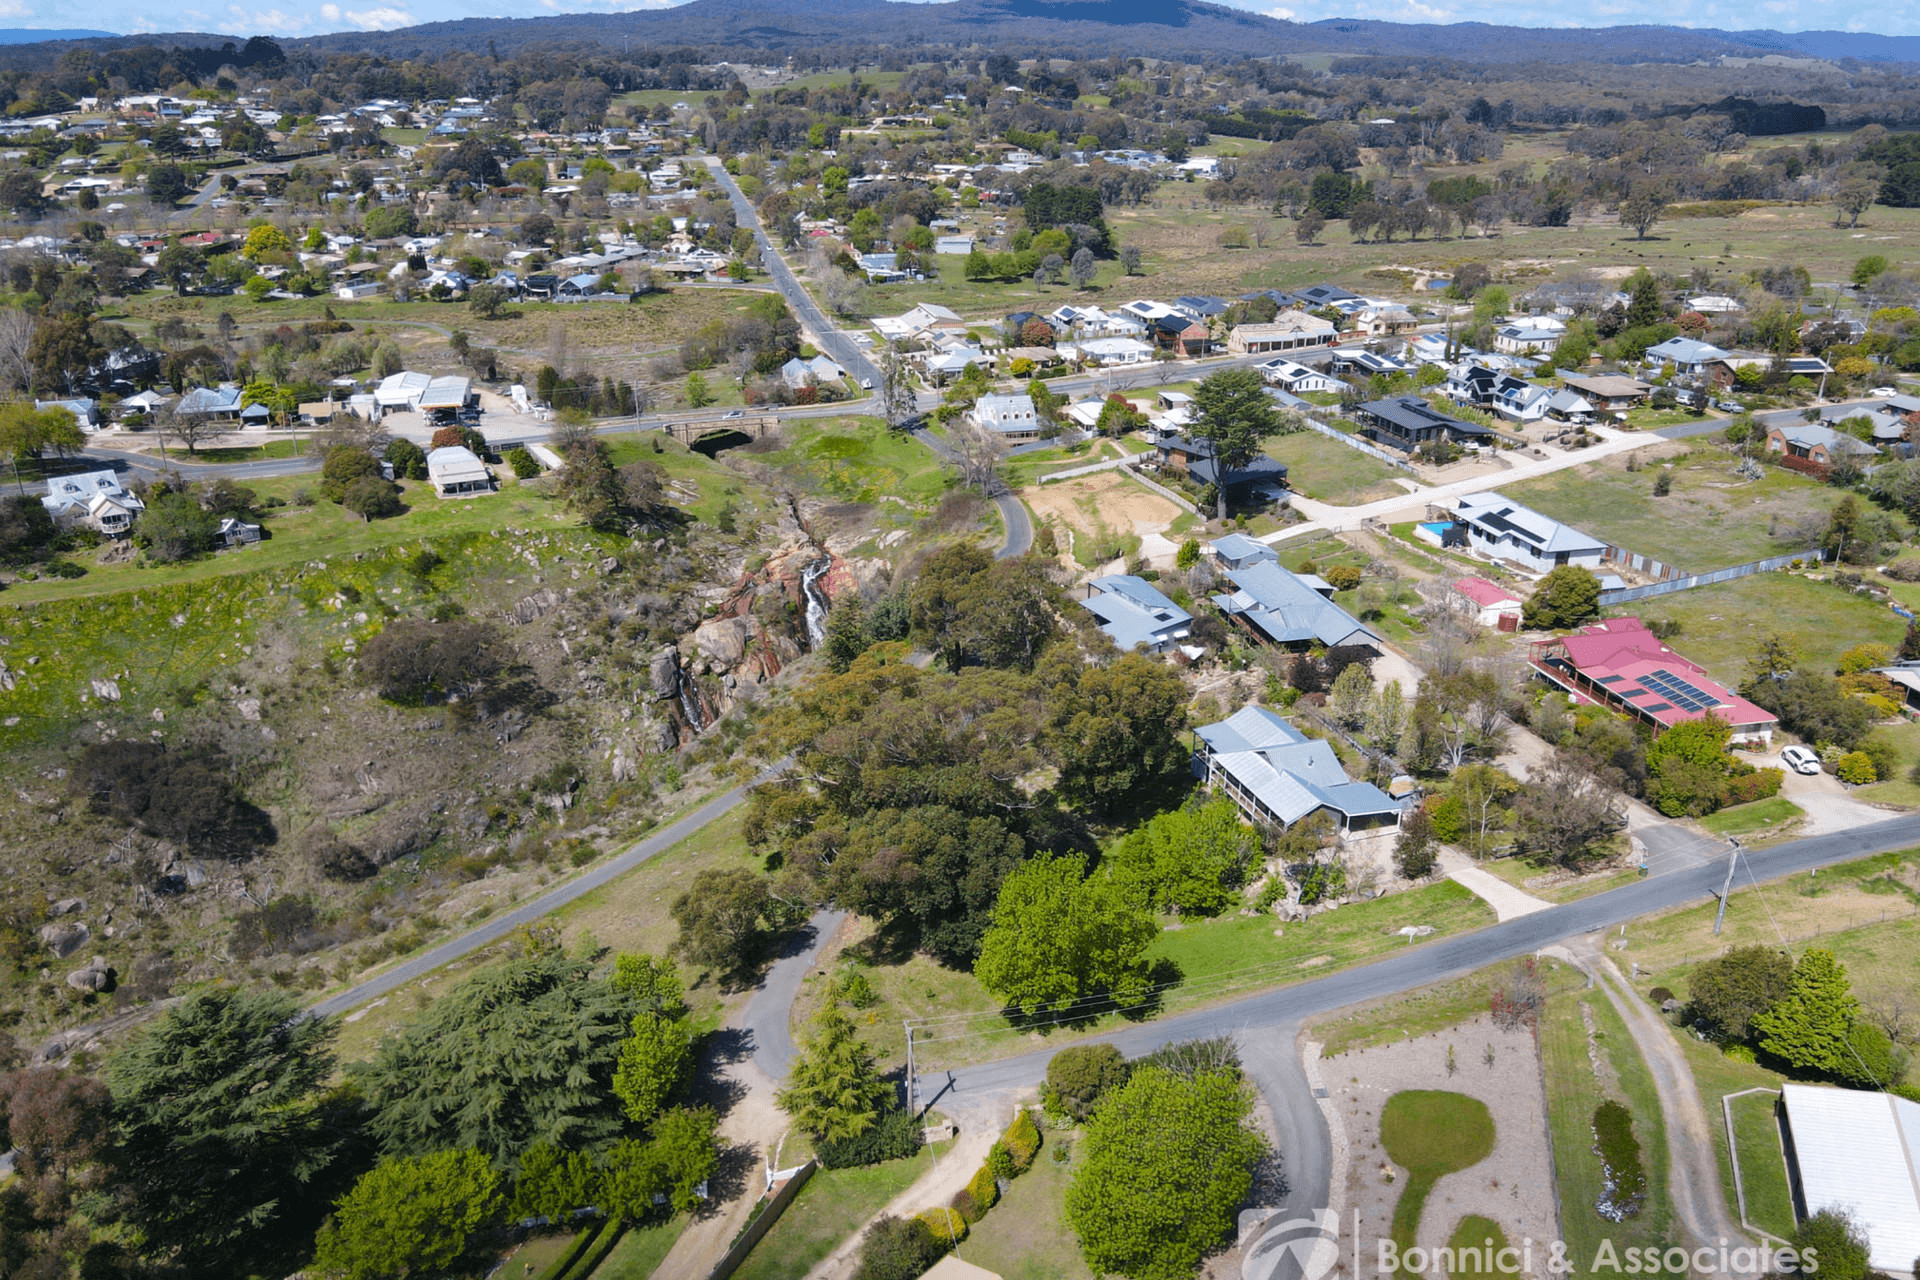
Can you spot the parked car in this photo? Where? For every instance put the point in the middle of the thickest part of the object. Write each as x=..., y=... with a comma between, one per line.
x=1729, y=406
x=1800, y=759
x=1884, y=391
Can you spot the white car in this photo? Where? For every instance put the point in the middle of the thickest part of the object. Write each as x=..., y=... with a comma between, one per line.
x=1800, y=759
x=1884, y=391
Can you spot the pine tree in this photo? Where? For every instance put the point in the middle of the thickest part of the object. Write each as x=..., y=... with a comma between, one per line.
x=834, y=1091
x=1809, y=1027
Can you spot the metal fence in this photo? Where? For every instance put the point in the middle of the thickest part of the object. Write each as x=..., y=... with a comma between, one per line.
x=1627, y=595
x=762, y=1224
x=1355, y=442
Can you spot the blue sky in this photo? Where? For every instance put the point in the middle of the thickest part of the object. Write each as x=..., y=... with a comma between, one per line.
x=304, y=18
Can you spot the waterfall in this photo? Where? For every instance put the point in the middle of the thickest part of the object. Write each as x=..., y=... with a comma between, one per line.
x=690, y=704
x=816, y=601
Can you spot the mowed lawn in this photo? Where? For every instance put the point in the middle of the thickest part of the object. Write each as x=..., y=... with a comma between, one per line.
x=1713, y=518
x=1329, y=471
x=1026, y=1236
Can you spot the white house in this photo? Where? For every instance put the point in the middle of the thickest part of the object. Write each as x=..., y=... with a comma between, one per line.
x=1290, y=375
x=455, y=472
x=1492, y=603
x=1525, y=335
x=93, y=499
x=1502, y=529
x=1012, y=417
x=1108, y=351
x=1287, y=331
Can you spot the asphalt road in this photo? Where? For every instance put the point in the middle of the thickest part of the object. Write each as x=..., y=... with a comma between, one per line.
x=768, y=1015
x=1265, y=1023
x=498, y=927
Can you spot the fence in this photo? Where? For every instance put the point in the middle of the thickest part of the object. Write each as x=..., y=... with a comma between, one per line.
x=1164, y=492
x=1854, y=920
x=1626, y=595
x=1091, y=468
x=1355, y=442
x=762, y=1224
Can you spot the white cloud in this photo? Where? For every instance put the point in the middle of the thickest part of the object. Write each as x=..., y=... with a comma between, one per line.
x=330, y=12
x=384, y=19
x=1285, y=15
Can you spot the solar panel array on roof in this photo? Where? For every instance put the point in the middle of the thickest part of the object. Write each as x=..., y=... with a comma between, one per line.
x=1683, y=693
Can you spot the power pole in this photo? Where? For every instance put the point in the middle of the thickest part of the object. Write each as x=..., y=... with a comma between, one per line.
x=909, y=1027
x=1733, y=856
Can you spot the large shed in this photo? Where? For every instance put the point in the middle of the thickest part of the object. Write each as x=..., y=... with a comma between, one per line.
x=1854, y=1150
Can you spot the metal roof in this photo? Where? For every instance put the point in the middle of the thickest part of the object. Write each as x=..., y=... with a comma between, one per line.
x=1856, y=1150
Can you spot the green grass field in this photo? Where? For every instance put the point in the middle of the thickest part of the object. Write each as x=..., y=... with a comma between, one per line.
x=1721, y=623
x=1762, y=818
x=640, y=1251
x=1331, y=472
x=1026, y=1236
x=857, y=460
x=1712, y=519
x=1763, y=1169
x=1430, y=1133
x=1572, y=1094
x=833, y=1205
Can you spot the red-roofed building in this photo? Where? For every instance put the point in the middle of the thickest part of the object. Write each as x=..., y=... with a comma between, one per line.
x=1499, y=608
x=1620, y=664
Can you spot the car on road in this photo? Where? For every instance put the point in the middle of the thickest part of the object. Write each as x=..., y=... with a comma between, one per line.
x=1800, y=759
x=866, y=384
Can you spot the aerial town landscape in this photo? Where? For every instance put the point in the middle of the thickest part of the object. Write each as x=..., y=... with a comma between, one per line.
x=1000, y=638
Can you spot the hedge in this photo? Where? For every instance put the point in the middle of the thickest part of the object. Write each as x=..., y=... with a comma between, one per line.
x=1022, y=1141
x=1758, y=785
x=564, y=1263
x=947, y=1227
x=984, y=1190
x=604, y=1245
x=894, y=1136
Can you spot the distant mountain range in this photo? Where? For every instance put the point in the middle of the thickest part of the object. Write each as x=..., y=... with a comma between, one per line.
x=31, y=35
x=1167, y=28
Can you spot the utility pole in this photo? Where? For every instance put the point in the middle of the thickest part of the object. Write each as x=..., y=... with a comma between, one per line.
x=1733, y=856
x=910, y=1106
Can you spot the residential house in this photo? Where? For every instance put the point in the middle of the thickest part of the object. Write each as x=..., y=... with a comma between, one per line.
x=1502, y=529
x=1290, y=609
x=94, y=500
x=574, y=288
x=1608, y=392
x=455, y=472
x=1686, y=355
x=211, y=404
x=1471, y=383
x=1135, y=615
x=1296, y=378
x=1199, y=307
x=922, y=321
x=1569, y=406
x=1529, y=335
x=1237, y=551
x=1193, y=457
x=951, y=362
x=1369, y=363
x=1618, y=663
x=541, y=285
x=1815, y=443
x=1493, y=605
x=1096, y=322
x=1179, y=334
x=235, y=532
x=1107, y=352
x=85, y=411
x=961, y=245
x=1384, y=321
x=1012, y=417
x=1713, y=304
x=1276, y=774
x=798, y=373
x=1518, y=400
x=1320, y=296
x=1431, y=348
x=1288, y=331
x=1407, y=422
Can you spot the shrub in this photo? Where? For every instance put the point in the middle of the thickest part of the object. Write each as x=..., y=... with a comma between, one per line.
x=1342, y=577
x=1078, y=1077
x=896, y=1249
x=406, y=459
x=372, y=498
x=446, y=438
x=525, y=466
x=894, y=1136
x=1000, y=1162
x=1734, y=1051
x=1623, y=1181
x=963, y=1204
x=984, y=1190
x=345, y=463
x=945, y=1226
x=1449, y=819
x=1022, y=1140
x=186, y=794
x=1856, y=767
x=416, y=662
x=1660, y=995
x=1757, y=785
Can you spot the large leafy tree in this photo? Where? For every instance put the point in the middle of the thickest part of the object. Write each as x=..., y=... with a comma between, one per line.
x=834, y=1091
x=1233, y=410
x=520, y=1053
x=653, y=1063
x=26, y=433
x=1117, y=734
x=1730, y=989
x=1191, y=860
x=1168, y=1161
x=409, y=1214
x=971, y=609
x=727, y=918
x=1566, y=597
x=1688, y=766
x=218, y=1131
x=1808, y=1027
x=1059, y=937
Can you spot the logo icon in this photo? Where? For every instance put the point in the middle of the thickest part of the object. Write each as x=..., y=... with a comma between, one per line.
x=1312, y=1243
